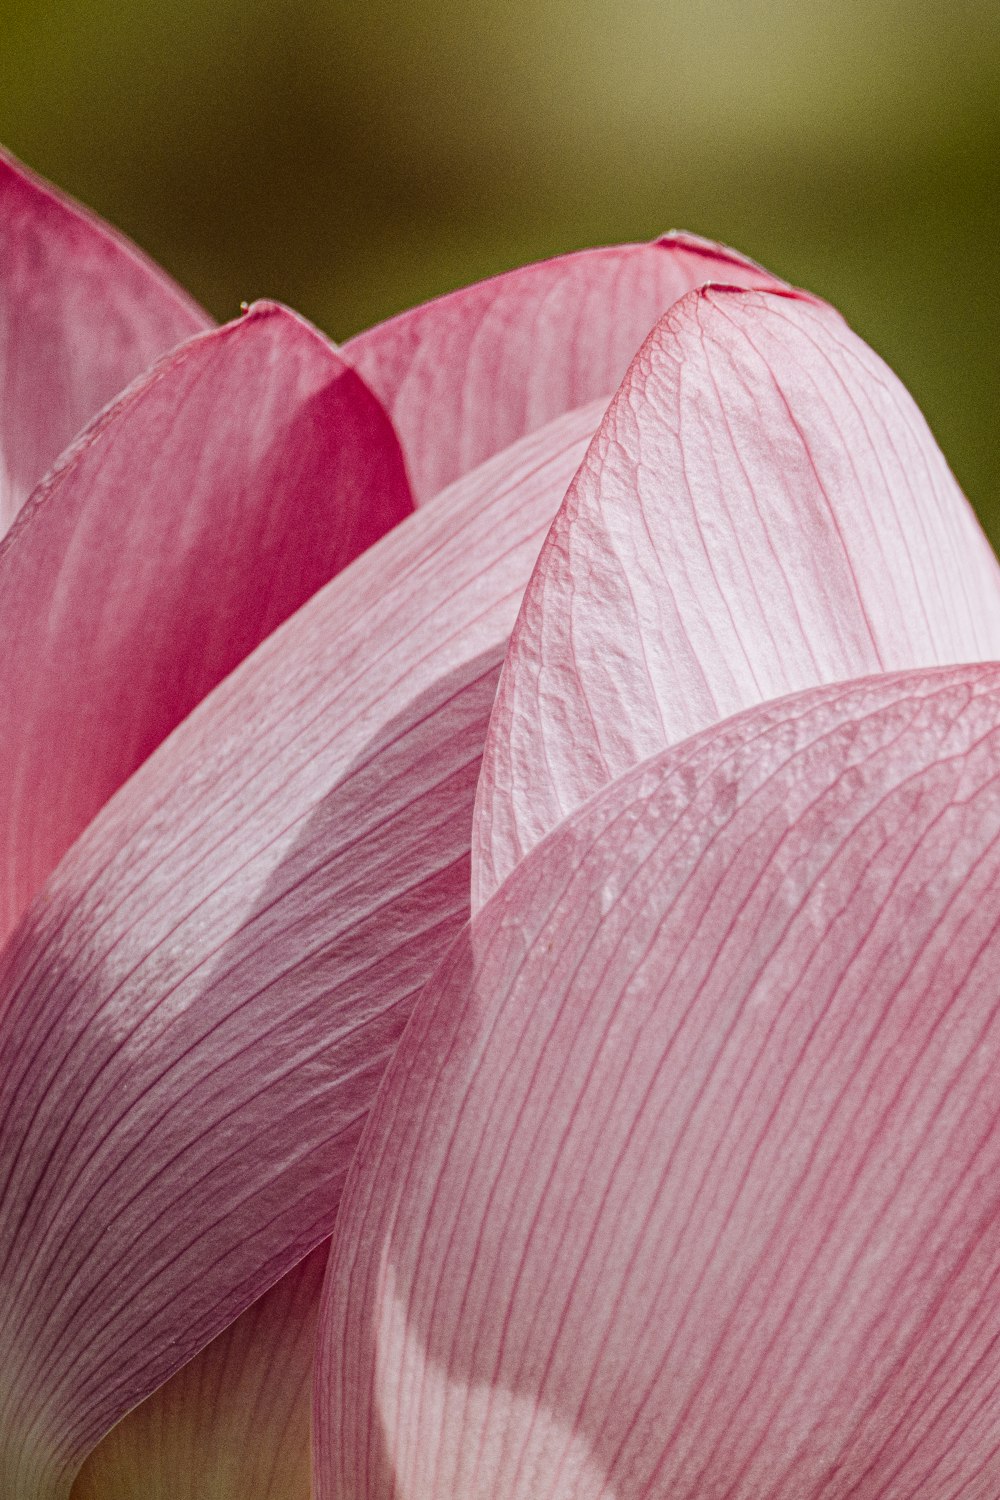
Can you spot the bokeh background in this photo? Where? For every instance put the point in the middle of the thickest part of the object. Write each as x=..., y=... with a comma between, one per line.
x=352, y=158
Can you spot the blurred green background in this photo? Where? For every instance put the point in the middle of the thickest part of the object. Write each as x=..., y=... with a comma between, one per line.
x=354, y=158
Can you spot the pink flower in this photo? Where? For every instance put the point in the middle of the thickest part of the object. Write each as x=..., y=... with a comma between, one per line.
x=641, y=757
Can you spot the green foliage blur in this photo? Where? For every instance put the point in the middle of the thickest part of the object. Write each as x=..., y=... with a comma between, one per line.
x=353, y=158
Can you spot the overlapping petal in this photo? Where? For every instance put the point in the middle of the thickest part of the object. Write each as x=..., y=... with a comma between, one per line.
x=197, y=513
x=763, y=508
x=82, y=312
x=234, y=1423
x=683, y=1180
x=197, y=1009
x=467, y=374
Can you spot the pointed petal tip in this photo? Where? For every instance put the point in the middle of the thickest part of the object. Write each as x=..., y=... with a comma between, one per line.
x=263, y=309
x=719, y=291
x=251, y=322
x=471, y=372
x=286, y=323
x=759, y=455
x=698, y=244
x=252, y=464
x=260, y=309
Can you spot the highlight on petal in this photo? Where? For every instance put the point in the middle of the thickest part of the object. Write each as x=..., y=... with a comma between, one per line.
x=197, y=513
x=196, y=1011
x=233, y=1423
x=763, y=508
x=684, y=1178
x=467, y=374
x=82, y=312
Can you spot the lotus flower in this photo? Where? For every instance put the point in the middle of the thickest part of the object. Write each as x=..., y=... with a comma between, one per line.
x=499, y=892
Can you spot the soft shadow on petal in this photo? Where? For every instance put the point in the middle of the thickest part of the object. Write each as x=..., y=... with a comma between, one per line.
x=467, y=374
x=492, y=1417
x=691, y=1150
x=82, y=312
x=193, y=517
x=763, y=508
x=198, y=1007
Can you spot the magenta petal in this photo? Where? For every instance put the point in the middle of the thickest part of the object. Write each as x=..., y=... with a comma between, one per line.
x=467, y=374
x=763, y=508
x=197, y=513
x=82, y=312
x=195, y=1013
x=684, y=1179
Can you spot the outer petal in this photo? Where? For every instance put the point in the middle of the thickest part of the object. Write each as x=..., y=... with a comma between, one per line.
x=467, y=374
x=82, y=312
x=193, y=516
x=233, y=1423
x=763, y=508
x=199, y=1006
x=685, y=1178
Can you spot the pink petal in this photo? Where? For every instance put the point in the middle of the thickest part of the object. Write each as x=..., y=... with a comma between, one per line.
x=763, y=508
x=467, y=374
x=192, y=517
x=233, y=1423
x=684, y=1179
x=82, y=312
x=195, y=1013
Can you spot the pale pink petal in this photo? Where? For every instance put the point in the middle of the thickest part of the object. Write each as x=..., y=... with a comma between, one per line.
x=233, y=1423
x=196, y=1011
x=685, y=1179
x=198, y=512
x=82, y=312
x=763, y=508
x=467, y=374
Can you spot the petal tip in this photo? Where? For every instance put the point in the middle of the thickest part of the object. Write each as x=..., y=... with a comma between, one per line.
x=699, y=244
